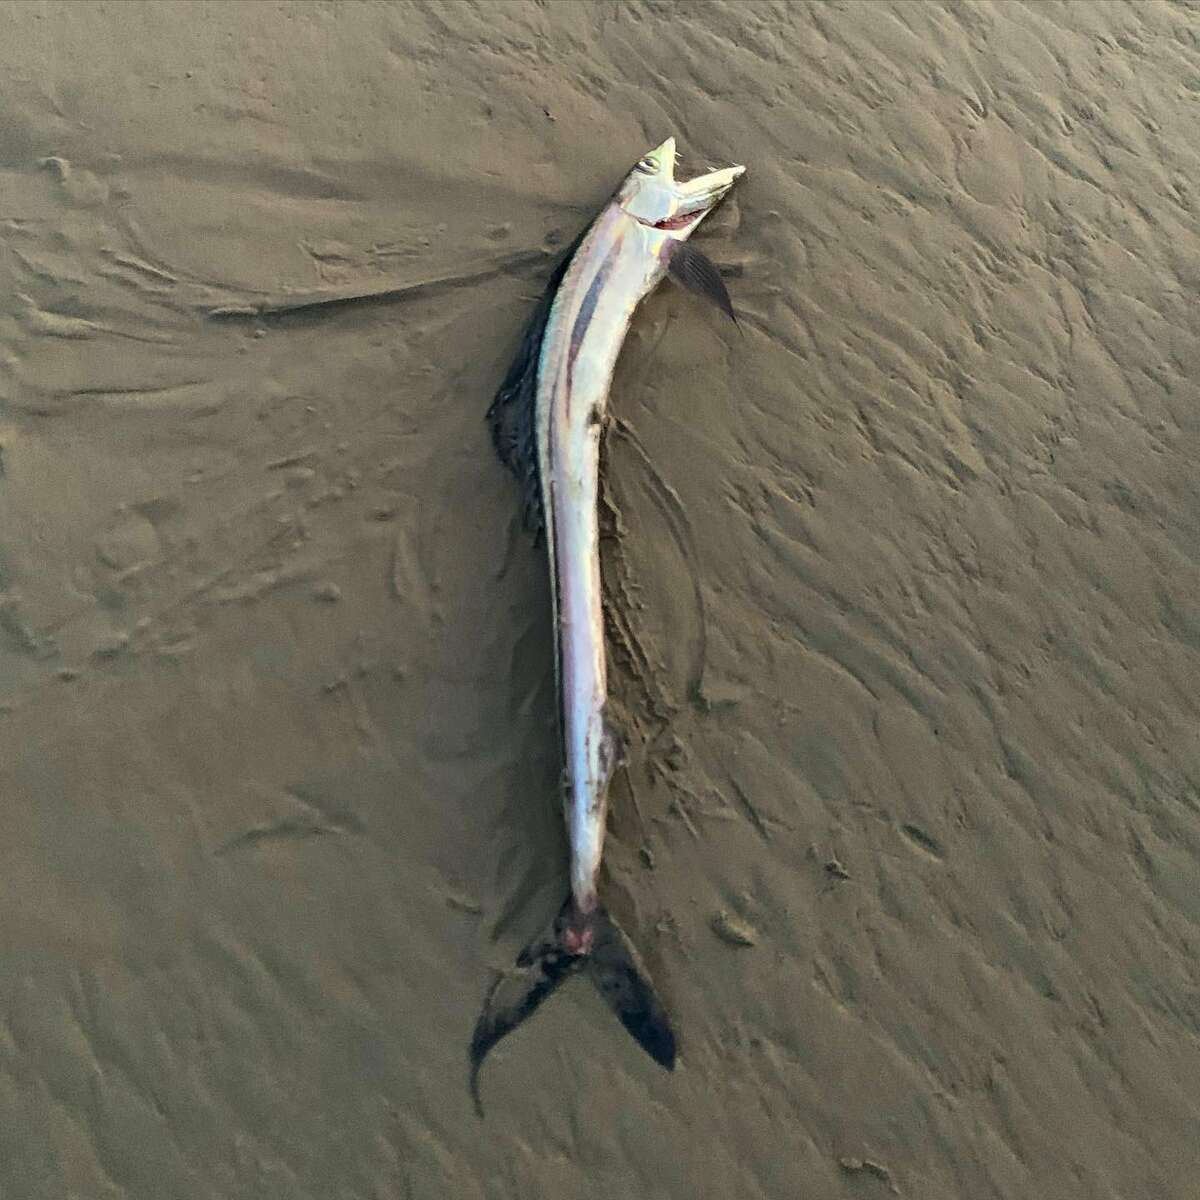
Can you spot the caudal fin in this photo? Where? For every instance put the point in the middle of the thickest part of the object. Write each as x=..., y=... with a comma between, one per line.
x=596, y=945
x=616, y=969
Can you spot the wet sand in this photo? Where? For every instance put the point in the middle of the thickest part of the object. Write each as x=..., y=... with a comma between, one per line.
x=903, y=605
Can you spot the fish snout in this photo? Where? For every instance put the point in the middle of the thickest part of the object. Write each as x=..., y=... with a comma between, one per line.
x=705, y=191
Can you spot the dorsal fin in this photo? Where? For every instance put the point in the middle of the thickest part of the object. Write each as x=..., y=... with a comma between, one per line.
x=511, y=416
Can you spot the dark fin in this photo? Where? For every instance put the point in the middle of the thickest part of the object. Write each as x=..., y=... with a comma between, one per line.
x=541, y=969
x=616, y=969
x=511, y=415
x=699, y=274
x=592, y=942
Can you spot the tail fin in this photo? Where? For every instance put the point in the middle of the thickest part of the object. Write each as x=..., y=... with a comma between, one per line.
x=595, y=944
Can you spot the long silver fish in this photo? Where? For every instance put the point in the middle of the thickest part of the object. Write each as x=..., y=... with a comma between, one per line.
x=546, y=422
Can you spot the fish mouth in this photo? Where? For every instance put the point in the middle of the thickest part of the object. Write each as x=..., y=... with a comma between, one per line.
x=698, y=197
x=679, y=220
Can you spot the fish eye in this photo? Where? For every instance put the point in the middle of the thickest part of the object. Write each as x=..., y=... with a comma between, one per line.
x=648, y=165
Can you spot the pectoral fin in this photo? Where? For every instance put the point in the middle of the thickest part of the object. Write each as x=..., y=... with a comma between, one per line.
x=699, y=274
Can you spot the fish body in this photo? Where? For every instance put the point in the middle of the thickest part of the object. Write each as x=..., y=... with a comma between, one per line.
x=547, y=420
x=617, y=264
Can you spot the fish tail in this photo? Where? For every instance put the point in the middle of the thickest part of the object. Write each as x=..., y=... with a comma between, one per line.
x=589, y=943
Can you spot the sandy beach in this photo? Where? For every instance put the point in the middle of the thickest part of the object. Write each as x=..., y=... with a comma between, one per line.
x=903, y=596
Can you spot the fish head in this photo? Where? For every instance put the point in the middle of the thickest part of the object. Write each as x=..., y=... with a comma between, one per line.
x=652, y=195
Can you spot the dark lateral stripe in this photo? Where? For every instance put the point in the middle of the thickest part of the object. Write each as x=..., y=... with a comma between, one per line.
x=584, y=319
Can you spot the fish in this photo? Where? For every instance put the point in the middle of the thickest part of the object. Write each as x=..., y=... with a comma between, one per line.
x=546, y=421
